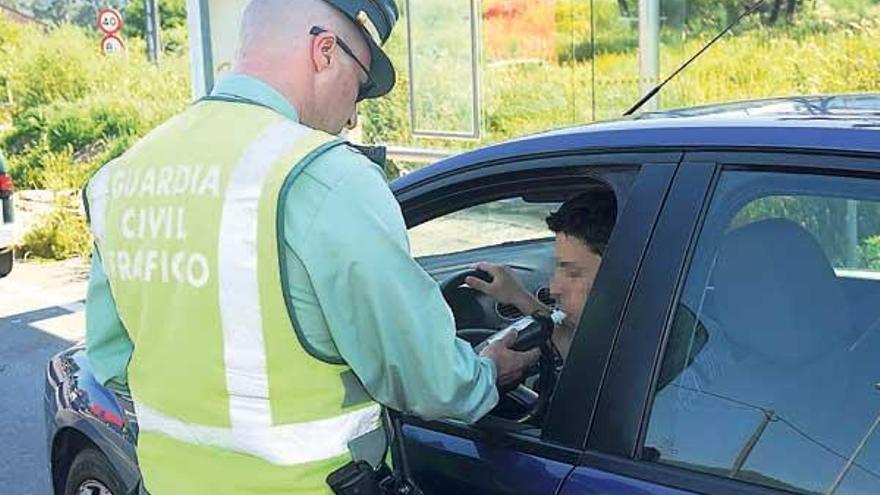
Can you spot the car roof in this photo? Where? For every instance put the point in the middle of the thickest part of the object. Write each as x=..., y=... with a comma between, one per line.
x=837, y=123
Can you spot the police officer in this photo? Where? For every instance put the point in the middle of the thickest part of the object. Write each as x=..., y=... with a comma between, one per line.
x=252, y=284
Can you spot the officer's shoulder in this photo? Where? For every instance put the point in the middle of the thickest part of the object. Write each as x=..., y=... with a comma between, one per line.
x=344, y=164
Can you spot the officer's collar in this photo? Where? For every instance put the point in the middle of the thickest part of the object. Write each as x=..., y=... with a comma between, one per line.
x=249, y=88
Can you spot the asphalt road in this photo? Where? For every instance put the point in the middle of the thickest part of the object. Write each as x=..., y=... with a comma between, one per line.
x=41, y=313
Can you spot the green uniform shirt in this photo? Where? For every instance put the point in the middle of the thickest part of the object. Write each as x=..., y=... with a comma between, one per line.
x=357, y=294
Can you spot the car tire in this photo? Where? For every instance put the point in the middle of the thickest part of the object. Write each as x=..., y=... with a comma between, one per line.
x=91, y=474
x=5, y=262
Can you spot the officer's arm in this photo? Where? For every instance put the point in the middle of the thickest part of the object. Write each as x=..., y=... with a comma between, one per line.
x=386, y=315
x=107, y=344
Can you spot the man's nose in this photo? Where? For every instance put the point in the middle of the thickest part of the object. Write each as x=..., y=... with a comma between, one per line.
x=554, y=287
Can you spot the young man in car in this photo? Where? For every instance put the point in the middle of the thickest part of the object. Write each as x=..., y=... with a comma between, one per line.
x=582, y=226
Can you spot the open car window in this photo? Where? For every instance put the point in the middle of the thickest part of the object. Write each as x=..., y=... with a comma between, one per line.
x=512, y=230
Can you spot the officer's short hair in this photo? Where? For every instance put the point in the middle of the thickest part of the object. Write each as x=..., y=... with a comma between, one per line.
x=589, y=217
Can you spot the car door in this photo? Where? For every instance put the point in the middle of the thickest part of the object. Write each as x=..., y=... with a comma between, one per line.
x=746, y=360
x=498, y=456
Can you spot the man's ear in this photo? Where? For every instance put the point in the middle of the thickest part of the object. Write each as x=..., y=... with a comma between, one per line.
x=323, y=47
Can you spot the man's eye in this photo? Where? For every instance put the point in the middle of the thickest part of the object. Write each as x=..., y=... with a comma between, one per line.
x=575, y=274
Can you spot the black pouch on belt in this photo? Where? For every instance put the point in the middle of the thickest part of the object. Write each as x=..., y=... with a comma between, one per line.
x=354, y=478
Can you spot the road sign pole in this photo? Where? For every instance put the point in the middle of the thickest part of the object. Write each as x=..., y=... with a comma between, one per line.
x=649, y=48
x=152, y=29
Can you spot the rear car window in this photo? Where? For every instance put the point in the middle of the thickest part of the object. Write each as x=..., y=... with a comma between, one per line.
x=771, y=367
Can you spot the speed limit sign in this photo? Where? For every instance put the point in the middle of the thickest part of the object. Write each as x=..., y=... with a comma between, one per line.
x=111, y=44
x=109, y=21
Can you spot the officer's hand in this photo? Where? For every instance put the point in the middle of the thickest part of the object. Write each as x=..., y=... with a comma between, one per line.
x=510, y=364
x=504, y=288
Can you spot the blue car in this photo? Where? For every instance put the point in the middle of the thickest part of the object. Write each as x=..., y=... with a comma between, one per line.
x=730, y=343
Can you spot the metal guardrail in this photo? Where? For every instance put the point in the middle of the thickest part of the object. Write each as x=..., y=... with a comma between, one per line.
x=415, y=155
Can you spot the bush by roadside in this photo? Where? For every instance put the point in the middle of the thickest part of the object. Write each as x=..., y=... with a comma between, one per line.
x=53, y=225
x=61, y=234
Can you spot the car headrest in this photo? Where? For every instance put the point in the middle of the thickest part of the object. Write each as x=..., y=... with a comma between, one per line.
x=777, y=295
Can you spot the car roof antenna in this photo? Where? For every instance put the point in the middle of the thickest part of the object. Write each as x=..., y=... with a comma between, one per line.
x=656, y=89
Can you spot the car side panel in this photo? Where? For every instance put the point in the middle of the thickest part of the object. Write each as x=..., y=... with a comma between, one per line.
x=589, y=481
x=73, y=400
x=443, y=464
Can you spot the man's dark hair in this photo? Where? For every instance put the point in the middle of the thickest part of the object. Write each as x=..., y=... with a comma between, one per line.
x=588, y=217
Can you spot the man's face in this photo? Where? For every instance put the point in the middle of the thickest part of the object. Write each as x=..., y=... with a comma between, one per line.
x=338, y=85
x=576, y=268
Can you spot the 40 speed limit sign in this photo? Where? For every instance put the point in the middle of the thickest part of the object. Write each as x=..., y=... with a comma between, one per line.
x=109, y=21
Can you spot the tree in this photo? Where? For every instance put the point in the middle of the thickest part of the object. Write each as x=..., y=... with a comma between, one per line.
x=172, y=13
x=80, y=12
x=790, y=7
x=717, y=13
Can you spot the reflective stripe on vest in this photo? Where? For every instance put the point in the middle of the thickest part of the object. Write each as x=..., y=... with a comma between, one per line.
x=252, y=419
x=285, y=445
x=241, y=319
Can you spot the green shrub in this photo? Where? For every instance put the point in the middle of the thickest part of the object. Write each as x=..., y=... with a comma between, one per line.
x=60, y=66
x=40, y=167
x=60, y=234
x=75, y=124
x=869, y=249
x=175, y=41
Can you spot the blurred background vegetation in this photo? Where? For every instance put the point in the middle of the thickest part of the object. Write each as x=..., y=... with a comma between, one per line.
x=65, y=109
x=549, y=63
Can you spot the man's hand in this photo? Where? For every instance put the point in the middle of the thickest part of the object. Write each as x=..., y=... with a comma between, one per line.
x=510, y=364
x=505, y=288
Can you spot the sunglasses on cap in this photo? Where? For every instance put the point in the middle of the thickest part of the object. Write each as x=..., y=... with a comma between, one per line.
x=363, y=87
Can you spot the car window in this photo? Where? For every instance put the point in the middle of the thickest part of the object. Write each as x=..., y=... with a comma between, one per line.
x=487, y=224
x=834, y=222
x=771, y=369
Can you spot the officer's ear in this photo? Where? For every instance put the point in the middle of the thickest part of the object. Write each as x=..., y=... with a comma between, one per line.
x=352, y=121
x=323, y=51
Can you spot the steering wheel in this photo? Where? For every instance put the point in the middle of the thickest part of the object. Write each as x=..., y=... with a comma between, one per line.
x=525, y=403
x=468, y=305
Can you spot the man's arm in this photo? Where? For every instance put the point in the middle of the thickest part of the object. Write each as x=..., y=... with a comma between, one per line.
x=107, y=344
x=386, y=316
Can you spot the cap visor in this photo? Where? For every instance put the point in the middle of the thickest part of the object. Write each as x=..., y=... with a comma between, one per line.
x=381, y=70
